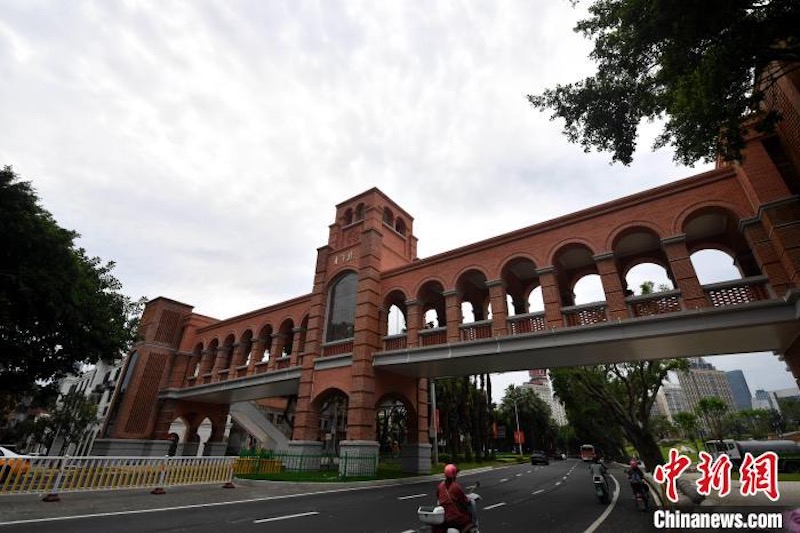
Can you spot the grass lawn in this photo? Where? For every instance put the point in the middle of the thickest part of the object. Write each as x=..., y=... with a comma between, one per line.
x=385, y=471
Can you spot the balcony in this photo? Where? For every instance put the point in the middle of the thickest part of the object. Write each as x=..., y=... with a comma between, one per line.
x=737, y=292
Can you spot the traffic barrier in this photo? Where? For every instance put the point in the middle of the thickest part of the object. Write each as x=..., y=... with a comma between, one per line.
x=54, y=475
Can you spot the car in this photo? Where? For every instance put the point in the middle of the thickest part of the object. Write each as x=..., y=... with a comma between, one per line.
x=12, y=464
x=539, y=457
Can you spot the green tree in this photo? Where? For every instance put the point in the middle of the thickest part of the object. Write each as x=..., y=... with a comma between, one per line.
x=58, y=307
x=535, y=418
x=712, y=410
x=702, y=66
x=687, y=422
x=627, y=392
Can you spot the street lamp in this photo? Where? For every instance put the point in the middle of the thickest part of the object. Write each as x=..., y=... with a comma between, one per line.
x=518, y=435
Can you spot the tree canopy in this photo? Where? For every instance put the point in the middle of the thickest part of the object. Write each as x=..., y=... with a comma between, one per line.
x=58, y=307
x=700, y=66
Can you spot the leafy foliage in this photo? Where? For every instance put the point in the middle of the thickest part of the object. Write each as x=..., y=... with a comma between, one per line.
x=58, y=307
x=623, y=392
x=696, y=64
x=712, y=410
x=535, y=418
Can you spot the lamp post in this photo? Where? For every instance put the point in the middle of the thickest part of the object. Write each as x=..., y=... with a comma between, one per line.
x=518, y=435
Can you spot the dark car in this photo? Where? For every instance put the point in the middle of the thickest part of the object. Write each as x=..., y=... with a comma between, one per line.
x=540, y=458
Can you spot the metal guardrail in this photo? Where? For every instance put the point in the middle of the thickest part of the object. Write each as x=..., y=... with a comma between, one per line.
x=53, y=475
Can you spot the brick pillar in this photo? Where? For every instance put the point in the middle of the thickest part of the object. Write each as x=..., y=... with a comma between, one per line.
x=306, y=420
x=277, y=348
x=765, y=255
x=259, y=345
x=781, y=220
x=220, y=362
x=550, y=295
x=497, y=296
x=239, y=356
x=296, y=333
x=612, y=286
x=453, y=313
x=683, y=273
x=205, y=361
x=413, y=322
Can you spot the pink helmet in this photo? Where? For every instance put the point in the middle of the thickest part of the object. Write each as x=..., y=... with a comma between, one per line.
x=450, y=471
x=634, y=463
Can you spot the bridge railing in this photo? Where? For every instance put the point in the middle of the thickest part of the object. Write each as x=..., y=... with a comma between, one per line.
x=428, y=337
x=738, y=291
x=582, y=315
x=476, y=330
x=394, y=342
x=527, y=323
x=656, y=303
x=53, y=475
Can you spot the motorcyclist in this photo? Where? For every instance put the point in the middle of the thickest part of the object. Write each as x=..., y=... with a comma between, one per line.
x=597, y=468
x=636, y=478
x=452, y=497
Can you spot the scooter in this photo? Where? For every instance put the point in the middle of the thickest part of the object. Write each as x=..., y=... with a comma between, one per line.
x=434, y=516
x=640, y=493
x=601, y=488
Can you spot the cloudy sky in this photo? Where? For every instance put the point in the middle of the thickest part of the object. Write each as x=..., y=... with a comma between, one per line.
x=203, y=145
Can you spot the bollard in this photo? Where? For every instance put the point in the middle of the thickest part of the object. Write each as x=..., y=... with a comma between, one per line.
x=161, y=478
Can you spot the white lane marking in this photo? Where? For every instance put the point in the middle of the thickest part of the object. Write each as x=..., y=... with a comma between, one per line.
x=529, y=471
x=558, y=483
x=421, y=495
x=607, y=512
x=285, y=517
x=488, y=507
x=409, y=531
x=538, y=492
x=192, y=506
x=519, y=474
x=504, y=480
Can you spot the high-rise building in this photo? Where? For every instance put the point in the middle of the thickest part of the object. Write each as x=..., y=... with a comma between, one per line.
x=540, y=383
x=741, y=392
x=702, y=380
x=670, y=400
x=766, y=400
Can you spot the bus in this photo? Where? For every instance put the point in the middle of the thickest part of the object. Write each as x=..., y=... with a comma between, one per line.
x=587, y=452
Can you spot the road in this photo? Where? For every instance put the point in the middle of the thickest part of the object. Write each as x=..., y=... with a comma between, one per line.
x=554, y=498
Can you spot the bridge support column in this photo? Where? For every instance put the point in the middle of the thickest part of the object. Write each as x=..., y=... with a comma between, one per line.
x=763, y=249
x=453, y=314
x=358, y=457
x=682, y=272
x=550, y=295
x=497, y=296
x=305, y=455
x=612, y=286
x=413, y=321
x=416, y=458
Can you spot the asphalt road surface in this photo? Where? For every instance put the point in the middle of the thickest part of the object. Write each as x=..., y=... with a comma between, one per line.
x=558, y=497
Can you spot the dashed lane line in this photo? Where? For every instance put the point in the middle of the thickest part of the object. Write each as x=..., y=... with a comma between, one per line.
x=538, y=492
x=602, y=517
x=493, y=506
x=421, y=495
x=284, y=517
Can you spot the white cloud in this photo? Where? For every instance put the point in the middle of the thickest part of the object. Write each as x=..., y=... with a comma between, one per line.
x=203, y=145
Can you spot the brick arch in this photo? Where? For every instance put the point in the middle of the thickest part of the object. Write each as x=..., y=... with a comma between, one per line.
x=430, y=300
x=563, y=244
x=519, y=273
x=472, y=288
x=690, y=211
x=411, y=433
x=633, y=226
x=572, y=261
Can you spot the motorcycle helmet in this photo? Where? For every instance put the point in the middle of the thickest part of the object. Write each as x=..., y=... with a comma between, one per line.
x=634, y=463
x=450, y=471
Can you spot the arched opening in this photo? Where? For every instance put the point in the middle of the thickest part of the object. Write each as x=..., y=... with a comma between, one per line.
x=474, y=292
x=647, y=274
x=392, y=423
x=301, y=341
x=286, y=335
x=400, y=226
x=360, y=212
x=245, y=348
x=432, y=305
x=348, y=217
x=574, y=262
x=332, y=407
x=718, y=229
x=265, y=339
x=388, y=216
x=521, y=279
x=342, y=308
x=714, y=266
x=194, y=361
